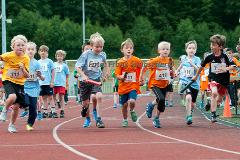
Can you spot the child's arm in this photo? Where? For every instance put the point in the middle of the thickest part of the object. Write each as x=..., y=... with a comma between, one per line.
x=67, y=84
x=52, y=80
x=39, y=74
x=197, y=74
x=106, y=71
x=24, y=70
x=79, y=70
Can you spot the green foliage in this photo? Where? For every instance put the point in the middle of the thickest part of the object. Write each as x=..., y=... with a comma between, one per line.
x=57, y=23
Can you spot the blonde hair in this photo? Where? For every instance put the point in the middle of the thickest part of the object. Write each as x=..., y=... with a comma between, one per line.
x=32, y=44
x=191, y=42
x=43, y=48
x=21, y=37
x=218, y=39
x=96, y=38
x=163, y=43
x=127, y=41
x=61, y=52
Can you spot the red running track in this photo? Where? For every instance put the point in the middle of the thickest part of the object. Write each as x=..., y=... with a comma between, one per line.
x=62, y=139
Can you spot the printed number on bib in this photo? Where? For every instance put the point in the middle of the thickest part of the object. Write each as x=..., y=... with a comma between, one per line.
x=204, y=78
x=131, y=77
x=218, y=67
x=14, y=73
x=163, y=74
x=58, y=68
x=32, y=77
x=188, y=72
x=44, y=67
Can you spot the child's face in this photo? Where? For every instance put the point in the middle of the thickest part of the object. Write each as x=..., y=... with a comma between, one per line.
x=19, y=47
x=97, y=47
x=164, y=50
x=43, y=54
x=87, y=47
x=215, y=48
x=31, y=50
x=191, y=49
x=59, y=57
x=127, y=50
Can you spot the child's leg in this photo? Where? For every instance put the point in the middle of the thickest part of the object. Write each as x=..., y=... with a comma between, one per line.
x=14, y=114
x=9, y=101
x=214, y=98
x=125, y=111
x=115, y=99
x=32, y=110
x=188, y=104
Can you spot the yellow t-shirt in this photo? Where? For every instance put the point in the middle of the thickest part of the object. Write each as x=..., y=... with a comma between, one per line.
x=11, y=70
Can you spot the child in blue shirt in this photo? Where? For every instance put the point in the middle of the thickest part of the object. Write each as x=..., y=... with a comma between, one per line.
x=89, y=68
x=31, y=85
x=188, y=68
x=61, y=71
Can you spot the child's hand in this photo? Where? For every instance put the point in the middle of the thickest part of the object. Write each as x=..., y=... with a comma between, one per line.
x=38, y=73
x=21, y=65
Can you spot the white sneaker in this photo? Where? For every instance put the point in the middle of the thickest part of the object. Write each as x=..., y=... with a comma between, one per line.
x=12, y=128
x=3, y=116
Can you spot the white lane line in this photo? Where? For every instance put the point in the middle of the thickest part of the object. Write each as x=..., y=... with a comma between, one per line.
x=87, y=145
x=183, y=141
x=59, y=141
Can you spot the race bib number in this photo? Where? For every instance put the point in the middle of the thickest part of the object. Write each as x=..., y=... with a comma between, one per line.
x=44, y=67
x=32, y=77
x=204, y=78
x=131, y=77
x=58, y=68
x=188, y=72
x=163, y=74
x=15, y=73
x=218, y=68
x=206, y=72
x=94, y=65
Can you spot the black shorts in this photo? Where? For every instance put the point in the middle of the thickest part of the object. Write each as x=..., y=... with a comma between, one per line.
x=13, y=88
x=46, y=90
x=170, y=88
x=115, y=89
x=193, y=92
x=86, y=89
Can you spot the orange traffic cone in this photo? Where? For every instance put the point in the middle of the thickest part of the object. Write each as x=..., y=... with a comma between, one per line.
x=227, y=111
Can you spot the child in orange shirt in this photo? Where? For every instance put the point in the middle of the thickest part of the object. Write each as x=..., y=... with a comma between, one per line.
x=128, y=73
x=159, y=79
x=204, y=85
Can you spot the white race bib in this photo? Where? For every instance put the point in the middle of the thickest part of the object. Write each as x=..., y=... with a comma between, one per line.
x=44, y=67
x=163, y=74
x=217, y=67
x=206, y=72
x=131, y=77
x=15, y=73
x=204, y=78
x=32, y=77
x=58, y=68
x=188, y=71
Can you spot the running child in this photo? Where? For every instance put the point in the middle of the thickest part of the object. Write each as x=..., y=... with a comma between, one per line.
x=47, y=69
x=89, y=68
x=159, y=79
x=15, y=72
x=219, y=76
x=61, y=71
x=128, y=71
x=31, y=85
x=189, y=66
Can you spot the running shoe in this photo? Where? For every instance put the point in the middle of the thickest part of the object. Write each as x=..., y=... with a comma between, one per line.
x=125, y=123
x=149, y=109
x=3, y=116
x=134, y=116
x=189, y=119
x=12, y=128
x=29, y=127
x=23, y=114
x=156, y=122
x=87, y=122
x=100, y=123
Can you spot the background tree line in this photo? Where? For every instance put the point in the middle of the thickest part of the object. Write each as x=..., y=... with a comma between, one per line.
x=57, y=23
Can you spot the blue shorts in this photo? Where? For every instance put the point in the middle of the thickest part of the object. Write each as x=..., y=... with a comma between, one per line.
x=125, y=97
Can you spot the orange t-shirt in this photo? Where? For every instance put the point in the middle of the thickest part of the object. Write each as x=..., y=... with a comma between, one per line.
x=159, y=71
x=133, y=67
x=234, y=72
x=204, y=78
